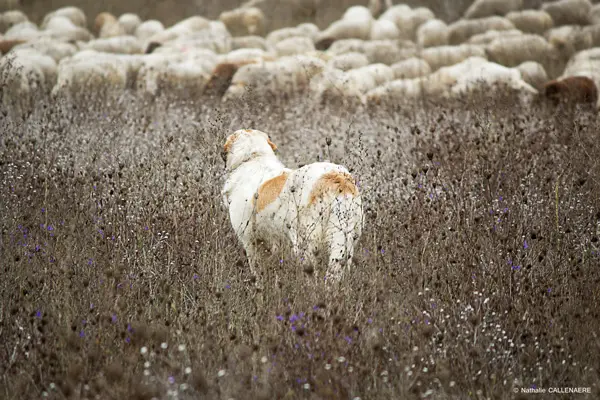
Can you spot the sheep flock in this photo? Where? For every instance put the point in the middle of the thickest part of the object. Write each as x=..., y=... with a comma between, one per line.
x=373, y=55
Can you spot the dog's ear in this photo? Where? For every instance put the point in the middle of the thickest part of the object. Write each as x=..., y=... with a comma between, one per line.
x=273, y=146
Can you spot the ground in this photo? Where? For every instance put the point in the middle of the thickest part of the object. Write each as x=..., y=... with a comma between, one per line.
x=476, y=275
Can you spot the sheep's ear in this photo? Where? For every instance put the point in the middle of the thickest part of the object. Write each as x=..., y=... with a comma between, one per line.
x=273, y=146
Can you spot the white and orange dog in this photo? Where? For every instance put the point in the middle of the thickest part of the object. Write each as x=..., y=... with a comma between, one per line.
x=313, y=208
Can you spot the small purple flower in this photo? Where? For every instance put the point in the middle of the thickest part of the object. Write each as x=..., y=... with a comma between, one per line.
x=91, y=306
x=516, y=267
x=370, y=321
x=81, y=333
x=38, y=314
x=90, y=261
x=228, y=286
x=382, y=251
x=315, y=308
x=50, y=228
x=348, y=339
x=43, y=210
x=83, y=322
x=171, y=380
x=525, y=245
x=279, y=318
x=127, y=340
x=195, y=276
x=549, y=290
x=500, y=198
x=129, y=328
x=114, y=318
x=281, y=261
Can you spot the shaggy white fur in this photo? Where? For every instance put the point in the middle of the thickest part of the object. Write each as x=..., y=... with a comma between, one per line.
x=313, y=208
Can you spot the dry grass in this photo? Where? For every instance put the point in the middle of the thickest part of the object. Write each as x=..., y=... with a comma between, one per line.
x=121, y=278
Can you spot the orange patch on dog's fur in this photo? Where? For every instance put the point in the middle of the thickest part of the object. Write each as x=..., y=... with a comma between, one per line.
x=229, y=142
x=273, y=146
x=334, y=182
x=269, y=191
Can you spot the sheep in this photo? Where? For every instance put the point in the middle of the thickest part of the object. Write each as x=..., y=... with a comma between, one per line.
x=348, y=61
x=483, y=39
x=56, y=49
x=461, y=30
x=333, y=86
x=533, y=73
x=308, y=30
x=62, y=28
x=569, y=12
x=407, y=20
x=213, y=36
x=354, y=24
x=8, y=19
x=383, y=29
x=377, y=51
x=285, y=76
x=249, y=42
x=585, y=63
x=22, y=31
x=513, y=50
x=441, y=56
x=394, y=92
x=107, y=25
x=149, y=28
x=592, y=31
x=90, y=70
x=488, y=8
x=487, y=74
x=378, y=7
x=242, y=55
x=244, y=21
x=594, y=16
x=222, y=75
x=294, y=45
x=571, y=38
x=183, y=28
x=411, y=68
x=25, y=72
x=531, y=21
x=432, y=33
x=572, y=89
x=74, y=14
x=130, y=22
x=380, y=73
x=118, y=45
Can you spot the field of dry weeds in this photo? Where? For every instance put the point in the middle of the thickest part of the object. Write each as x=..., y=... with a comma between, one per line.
x=476, y=276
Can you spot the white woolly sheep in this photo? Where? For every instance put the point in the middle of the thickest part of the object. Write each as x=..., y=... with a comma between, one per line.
x=533, y=73
x=377, y=7
x=432, y=33
x=214, y=37
x=380, y=73
x=531, y=21
x=594, y=32
x=334, y=85
x=570, y=38
x=306, y=30
x=117, y=45
x=487, y=74
x=407, y=19
x=294, y=45
x=25, y=72
x=74, y=14
x=61, y=28
x=461, y=30
x=442, y=56
x=412, y=68
x=348, y=61
x=488, y=8
x=488, y=37
x=569, y=12
x=284, y=76
x=395, y=92
x=249, y=42
x=355, y=24
x=181, y=29
x=8, y=19
x=383, y=29
x=594, y=16
x=22, y=31
x=377, y=51
x=56, y=49
x=107, y=25
x=130, y=22
x=512, y=51
x=244, y=21
x=149, y=28
x=246, y=54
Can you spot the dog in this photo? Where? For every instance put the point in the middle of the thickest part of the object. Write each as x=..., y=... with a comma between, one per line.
x=315, y=208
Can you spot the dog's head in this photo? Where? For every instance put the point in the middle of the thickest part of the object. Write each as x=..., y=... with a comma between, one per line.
x=244, y=144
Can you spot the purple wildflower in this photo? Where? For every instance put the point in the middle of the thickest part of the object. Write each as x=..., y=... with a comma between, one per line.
x=171, y=380
x=525, y=245
x=38, y=314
